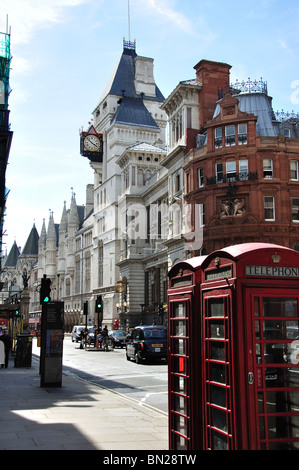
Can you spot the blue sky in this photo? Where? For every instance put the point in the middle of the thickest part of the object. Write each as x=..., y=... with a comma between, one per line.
x=64, y=52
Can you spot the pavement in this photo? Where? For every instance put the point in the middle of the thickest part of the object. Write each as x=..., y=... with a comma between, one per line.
x=76, y=416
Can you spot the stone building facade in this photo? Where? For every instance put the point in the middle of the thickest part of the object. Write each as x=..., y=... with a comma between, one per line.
x=207, y=167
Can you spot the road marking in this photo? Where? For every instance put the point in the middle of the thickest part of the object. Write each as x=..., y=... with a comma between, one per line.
x=147, y=395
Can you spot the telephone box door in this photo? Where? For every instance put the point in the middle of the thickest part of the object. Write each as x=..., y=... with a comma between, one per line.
x=218, y=367
x=272, y=368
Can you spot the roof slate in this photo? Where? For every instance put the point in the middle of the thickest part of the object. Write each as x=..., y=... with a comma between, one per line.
x=31, y=245
x=133, y=111
x=13, y=256
x=124, y=78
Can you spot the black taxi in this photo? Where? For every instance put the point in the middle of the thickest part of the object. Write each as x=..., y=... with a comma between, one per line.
x=147, y=342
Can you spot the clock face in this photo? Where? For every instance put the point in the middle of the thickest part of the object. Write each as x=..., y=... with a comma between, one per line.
x=92, y=143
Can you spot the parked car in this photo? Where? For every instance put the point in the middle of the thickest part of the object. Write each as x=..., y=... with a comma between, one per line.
x=118, y=338
x=76, y=333
x=147, y=342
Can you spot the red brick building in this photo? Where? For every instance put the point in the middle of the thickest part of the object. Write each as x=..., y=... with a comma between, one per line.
x=242, y=178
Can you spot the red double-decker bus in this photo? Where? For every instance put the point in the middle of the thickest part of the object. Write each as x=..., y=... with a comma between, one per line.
x=34, y=321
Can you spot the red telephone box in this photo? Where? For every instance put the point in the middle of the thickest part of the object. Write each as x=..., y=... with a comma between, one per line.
x=184, y=325
x=243, y=350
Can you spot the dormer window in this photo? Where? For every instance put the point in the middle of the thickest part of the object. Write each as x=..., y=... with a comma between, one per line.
x=287, y=132
x=230, y=138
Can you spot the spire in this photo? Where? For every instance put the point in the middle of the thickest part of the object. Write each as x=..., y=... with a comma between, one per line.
x=13, y=256
x=63, y=222
x=73, y=215
x=43, y=235
x=31, y=245
x=51, y=228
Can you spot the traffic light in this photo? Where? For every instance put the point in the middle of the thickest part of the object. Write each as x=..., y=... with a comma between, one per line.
x=45, y=290
x=99, y=304
x=161, y=309
x=17, y=311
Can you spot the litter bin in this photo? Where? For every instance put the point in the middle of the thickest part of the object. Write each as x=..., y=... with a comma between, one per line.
x=23, y=351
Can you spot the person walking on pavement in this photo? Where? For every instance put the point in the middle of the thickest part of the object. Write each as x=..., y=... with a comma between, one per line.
x=5, y=338
x=105, y=338
x=82, y=337
x=2, y=350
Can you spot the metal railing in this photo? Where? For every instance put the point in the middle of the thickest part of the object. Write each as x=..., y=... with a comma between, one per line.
x=228, y=178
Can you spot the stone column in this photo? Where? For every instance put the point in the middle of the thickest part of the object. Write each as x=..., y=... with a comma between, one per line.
x=25, y=300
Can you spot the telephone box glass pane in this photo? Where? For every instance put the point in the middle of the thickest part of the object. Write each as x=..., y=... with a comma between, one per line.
x=279, y=353
x=282, y=401
x=180, y=384
x=180, y=442
x=282, y=377
x=216, y=329
x=179, y=310
x=216, y=307
x=179, y=364
x=219, y=441
x=283, y=427
x=216, y=350
x=180, y=404
x=218, y=419
x=217, y=372
x=218, y=395
x=280, y=307
x=262, y=427
x=281, y=329
x=257, y=329
x=256, y=306
x=180, y=424
x=179, y=328
x=179, y=346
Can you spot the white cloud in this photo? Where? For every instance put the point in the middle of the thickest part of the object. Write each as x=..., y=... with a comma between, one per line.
x=168, y=11
x=164, y=9
x=26, y=17
x=284, y=46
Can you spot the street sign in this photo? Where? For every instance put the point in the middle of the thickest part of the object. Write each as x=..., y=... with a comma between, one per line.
x=52, y=335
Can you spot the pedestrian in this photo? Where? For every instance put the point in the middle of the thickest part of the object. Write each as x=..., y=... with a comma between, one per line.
x=5, y=338
x=105, y=338
x=2, y=353
x=82, y=337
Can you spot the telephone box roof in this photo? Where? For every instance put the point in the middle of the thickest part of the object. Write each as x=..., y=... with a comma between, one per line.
x=237, y=252
x=191, y=263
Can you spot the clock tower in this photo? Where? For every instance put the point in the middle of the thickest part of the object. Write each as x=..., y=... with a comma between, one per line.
x=91, y=145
